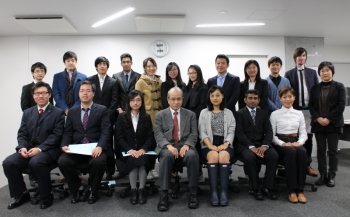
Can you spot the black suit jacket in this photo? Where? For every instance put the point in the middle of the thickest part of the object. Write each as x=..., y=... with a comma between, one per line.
x=231, y=88
x=46, y=130
x=263, y=89
x=108, y=96
x=121, y=90
x=27, y=99
x=336, y=101
x=247, y=134
x=310, y=79
x=195, y=100
x=126, y=137
x=98, y=127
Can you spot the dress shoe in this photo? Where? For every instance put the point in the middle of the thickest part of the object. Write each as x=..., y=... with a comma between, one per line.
x=269, y=194
x=47, y=202
x=193, y=201
x=331, y=179
x=258, y=195
x=134, y=196
x=301, y=197
x=142, y=196
x=292, y=197
x=322, y=180
x=311, y=172
x=163, y=204
x=76, y=197
x=24, y=197
x=92, y=198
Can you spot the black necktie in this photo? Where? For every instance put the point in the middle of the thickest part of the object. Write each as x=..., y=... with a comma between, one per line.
x=126, y=82
x=302, y=88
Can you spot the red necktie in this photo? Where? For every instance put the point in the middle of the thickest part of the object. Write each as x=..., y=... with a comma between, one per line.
x=176, y=129
x=41, y=111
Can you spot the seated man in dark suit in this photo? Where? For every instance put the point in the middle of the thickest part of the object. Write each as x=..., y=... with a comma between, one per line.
x=39, y=139
x=175, y=131
x=253, y=144
x=87, y=123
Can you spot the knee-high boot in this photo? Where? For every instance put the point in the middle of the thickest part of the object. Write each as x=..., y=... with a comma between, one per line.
x=213, y=173
x=224, y=170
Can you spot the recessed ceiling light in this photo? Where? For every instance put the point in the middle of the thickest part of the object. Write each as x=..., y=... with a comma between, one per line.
x=230, y=24
x=223, y=12
x=114, y=16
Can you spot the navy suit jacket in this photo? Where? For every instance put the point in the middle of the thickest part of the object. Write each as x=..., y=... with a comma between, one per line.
x=310, y=79
x=231, y=88
x=46, y=130
x=98, y=128
x=59, y=87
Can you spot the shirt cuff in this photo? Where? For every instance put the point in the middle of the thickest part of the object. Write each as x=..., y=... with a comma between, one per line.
x=40, y=150
x=266, y=146
x=251, y=146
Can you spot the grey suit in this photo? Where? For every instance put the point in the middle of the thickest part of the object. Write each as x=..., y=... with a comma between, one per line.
x=188, y=135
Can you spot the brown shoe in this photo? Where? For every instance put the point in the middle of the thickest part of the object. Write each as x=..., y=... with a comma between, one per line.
x=301, y=198
x=292, y=197
x=311, y=172
x=62, y=179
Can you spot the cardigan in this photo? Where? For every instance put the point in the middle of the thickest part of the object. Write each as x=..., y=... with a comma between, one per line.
x=274, y=102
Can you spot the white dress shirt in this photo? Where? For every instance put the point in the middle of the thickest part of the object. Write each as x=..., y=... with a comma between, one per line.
x=288, y=121
x=251, y=84
x=43, y=108
x=102, y=80
x=306, y=93
x=178, y=119
x=135, y=120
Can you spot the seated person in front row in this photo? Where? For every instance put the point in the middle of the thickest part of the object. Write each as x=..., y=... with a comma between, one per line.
x=87, y=123
x=175, y=131
x=134, y=135
x=216, y=131
x=289, y=135
x=253, y=144
x=39, y=138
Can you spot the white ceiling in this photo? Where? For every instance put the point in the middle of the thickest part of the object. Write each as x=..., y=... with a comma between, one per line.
x=304, y=18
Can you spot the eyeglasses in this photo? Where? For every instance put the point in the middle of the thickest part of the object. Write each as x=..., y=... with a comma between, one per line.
x=191, y=73
x=175, y=99
x=41, y=93
x=85, y=91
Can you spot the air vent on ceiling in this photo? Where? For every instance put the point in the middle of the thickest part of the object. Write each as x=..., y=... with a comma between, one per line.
x=160, y=23
x=46, y=25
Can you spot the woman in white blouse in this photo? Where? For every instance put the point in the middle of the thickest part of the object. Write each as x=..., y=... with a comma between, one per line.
x=289, y=132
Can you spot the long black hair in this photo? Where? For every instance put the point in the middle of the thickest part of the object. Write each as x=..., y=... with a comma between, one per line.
x=200, y=81
x=170, y=81
x=143, y=116
x=246, y=66
x=210, y=104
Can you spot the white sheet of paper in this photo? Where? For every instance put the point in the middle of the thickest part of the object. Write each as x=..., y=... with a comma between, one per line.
x=84, y=149
x=148, y=153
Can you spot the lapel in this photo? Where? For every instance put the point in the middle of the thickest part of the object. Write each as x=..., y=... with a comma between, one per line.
x=122, y=81
x=257, y=116
x=183, y=121
x=169, y=119
x=45, y=114
x=296, y=81
x=91, y=115
x=96, y=81
x=226, y=79
x=78, y=78
x=105, y=85
x=248, y=116
x=132, y=78
x=332, y=88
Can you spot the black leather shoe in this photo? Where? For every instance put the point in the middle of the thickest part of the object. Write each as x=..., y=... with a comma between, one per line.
x=134, y=196
x=142, y=196
x=76, y=198
x=163, y=204
x=258, y=195
x=331, y=179
x=193, y=201
x=322, y=180
x=92, y=198
x=47, y=202
x=269, y=194
x=24, y=197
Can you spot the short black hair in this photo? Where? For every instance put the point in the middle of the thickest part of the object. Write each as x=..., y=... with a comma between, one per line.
x=38, y=65
x=328, y=64
x=274, y=59
x=210, y=104
x=125, y=55
x=252, y=91
x=70, y=54
x=298, y=52
x=223, y=56
x=101, y=60
x=41, y=84
x=93, y=87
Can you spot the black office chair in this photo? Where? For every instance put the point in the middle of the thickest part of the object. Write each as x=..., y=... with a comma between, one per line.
x=56, y=188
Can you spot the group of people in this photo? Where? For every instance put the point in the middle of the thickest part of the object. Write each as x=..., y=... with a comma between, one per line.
x=275, y=123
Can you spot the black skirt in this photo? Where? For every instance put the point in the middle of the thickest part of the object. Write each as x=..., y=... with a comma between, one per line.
x=129, y=163
x=217, y=141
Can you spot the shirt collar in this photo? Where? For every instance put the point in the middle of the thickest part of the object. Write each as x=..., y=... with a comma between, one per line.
x=100, y=77
x=44, y=108
x=135, y=116
x=274, y=77
x=284, y=109
x=172, y=110
x=88, y=107
x=302, y=68
x=129, y=74
x=222, y=76
x=250, y=110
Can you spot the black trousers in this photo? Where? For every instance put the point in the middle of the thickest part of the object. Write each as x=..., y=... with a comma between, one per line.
x=294, y=160
x=322, y=140
x=97, y=167
x=251, y=162
x=39, y=164
x=308, y=147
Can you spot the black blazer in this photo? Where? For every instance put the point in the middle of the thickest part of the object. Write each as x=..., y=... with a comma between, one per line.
x=195, y=100
x=108, y=96
x=263, y=89
x=126, y=137
x=164, y=93
x=121, y=90
x=310, y=79
x=98, y=127
x=46, y=130
x=231, y=88
x=247, y=134
x=27, y=99
x=336, y=101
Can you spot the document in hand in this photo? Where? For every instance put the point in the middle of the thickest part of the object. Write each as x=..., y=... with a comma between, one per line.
x=84, y=149
x=148, y=153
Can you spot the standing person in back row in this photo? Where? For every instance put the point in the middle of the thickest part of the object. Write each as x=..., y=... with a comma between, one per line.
x=302, y=79
x=229, y=82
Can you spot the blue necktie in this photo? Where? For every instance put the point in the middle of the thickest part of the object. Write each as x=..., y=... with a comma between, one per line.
x=126, y=82
x=221, y=78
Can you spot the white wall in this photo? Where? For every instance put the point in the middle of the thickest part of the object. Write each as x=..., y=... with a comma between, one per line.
x=17, y=54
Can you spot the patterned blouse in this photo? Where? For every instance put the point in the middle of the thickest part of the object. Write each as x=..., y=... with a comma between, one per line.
x=217, y=123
